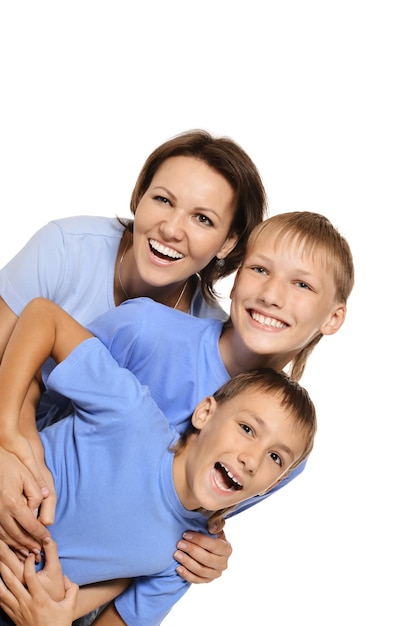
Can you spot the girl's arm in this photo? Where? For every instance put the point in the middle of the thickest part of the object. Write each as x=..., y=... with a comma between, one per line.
x=42, y=330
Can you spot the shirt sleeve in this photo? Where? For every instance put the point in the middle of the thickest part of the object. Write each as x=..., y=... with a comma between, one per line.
x=37, y=270
x=149, y=599
x=98, y=387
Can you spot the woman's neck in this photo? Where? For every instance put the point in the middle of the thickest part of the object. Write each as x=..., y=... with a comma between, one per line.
x=129, y=284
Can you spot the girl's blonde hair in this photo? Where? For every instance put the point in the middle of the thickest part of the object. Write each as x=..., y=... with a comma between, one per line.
x=318, y=237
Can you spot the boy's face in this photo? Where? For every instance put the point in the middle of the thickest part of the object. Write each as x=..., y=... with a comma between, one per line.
x=282, y=299
x=243, y=447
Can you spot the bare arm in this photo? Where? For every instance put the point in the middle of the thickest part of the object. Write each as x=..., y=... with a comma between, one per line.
x=109, y=617
x=7, y=322
x=42, y=330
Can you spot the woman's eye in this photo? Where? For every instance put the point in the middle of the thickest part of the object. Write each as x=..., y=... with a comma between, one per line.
x=276, y=458
x=203, y=219
x=161, y=199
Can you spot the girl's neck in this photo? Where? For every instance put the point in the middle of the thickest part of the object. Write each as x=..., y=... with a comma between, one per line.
x=237, y=358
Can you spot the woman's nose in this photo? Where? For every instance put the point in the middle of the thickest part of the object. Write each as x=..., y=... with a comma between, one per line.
x=173, y=226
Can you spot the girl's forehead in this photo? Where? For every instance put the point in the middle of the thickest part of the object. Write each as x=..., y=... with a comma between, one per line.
x=290, y=244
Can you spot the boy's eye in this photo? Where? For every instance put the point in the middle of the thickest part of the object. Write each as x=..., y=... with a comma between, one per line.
x=259, y=270
x=248, y=430
x=303, y=285
x=276, y=458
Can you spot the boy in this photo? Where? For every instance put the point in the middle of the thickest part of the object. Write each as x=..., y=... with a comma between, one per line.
x=127, y=484
x=289, y=292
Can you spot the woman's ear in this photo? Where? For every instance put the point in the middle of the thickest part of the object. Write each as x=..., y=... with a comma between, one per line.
x=228, y=246
x=203, y=412
x=335, y=321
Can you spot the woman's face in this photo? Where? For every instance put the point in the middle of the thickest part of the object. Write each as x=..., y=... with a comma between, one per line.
x=182, y=221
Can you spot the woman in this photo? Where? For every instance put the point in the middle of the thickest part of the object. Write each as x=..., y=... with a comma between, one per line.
x=194, y=204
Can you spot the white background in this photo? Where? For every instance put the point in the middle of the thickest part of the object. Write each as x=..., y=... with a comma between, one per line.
x=322, y=95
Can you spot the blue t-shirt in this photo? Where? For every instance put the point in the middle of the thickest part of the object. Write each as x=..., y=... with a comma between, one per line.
x=178, y=357
x=118, y=514
x=71, y=261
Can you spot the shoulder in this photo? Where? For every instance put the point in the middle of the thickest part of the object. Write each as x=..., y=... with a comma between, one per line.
x=88, y=225
x=199, y=307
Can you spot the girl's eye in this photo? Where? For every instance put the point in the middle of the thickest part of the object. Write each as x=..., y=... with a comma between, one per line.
x=248, y=430
x=203, y=219
x=276, y=458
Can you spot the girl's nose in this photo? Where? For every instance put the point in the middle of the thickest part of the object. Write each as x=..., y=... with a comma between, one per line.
x=273, y=293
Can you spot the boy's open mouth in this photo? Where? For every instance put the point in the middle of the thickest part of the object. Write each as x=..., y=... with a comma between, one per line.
x=226, y=477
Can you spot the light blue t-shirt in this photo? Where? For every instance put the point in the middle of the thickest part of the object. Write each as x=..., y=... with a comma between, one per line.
x=71, y=261
x=178, y=357
x=118, y=514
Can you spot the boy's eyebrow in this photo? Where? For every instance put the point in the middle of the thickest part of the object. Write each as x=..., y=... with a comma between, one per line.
x=282, y=446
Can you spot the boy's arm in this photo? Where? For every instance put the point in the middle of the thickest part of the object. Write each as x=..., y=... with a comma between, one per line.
x=109, y=617
x=42, y=330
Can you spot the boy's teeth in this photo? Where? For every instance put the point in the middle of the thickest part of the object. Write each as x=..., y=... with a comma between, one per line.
x=267, y=321
x=164, y=250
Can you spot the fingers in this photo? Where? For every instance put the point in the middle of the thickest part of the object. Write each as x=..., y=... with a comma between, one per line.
x=52, y=566
x=47, y=510
x=22, y=531
x=202, y=558
x=10, y=563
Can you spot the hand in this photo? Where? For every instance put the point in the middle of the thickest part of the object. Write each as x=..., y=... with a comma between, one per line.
x=33, y=604
x=20, y=498
x=14, y=442
x=202, y=558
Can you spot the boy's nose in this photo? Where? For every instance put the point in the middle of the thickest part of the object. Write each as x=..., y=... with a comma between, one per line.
x=250, y=458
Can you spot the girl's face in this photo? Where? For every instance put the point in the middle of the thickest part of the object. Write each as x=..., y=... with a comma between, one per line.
x=182, y=221
x=283, y=298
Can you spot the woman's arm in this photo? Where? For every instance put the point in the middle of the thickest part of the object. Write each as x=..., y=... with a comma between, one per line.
x=202, y=558
x=22, y=594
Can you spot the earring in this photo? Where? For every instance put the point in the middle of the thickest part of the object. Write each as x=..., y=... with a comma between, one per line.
x=220, y=263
